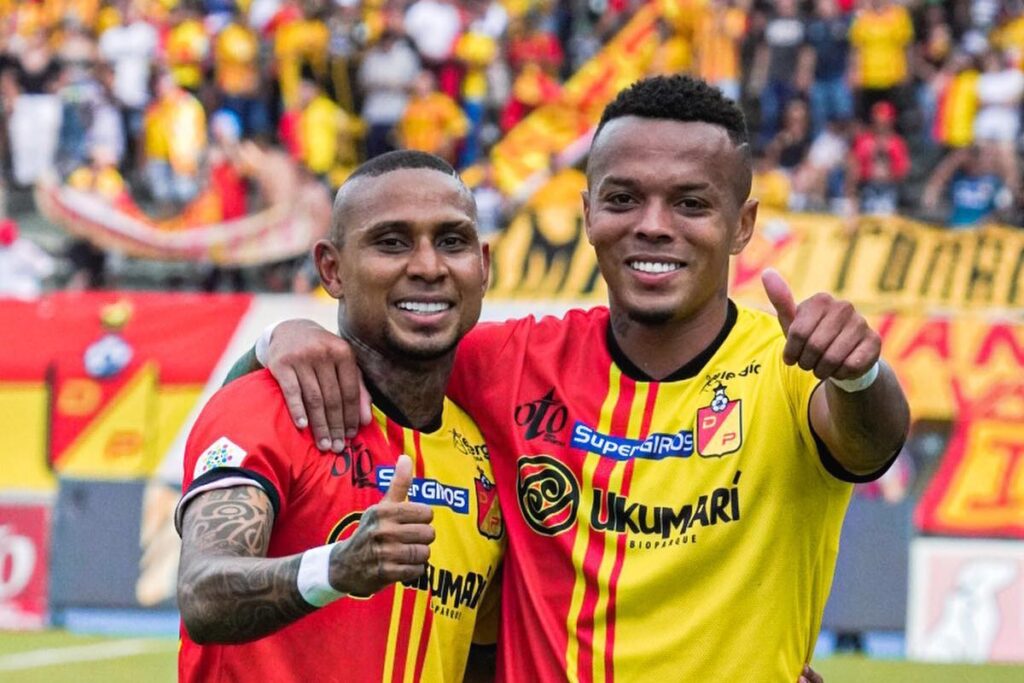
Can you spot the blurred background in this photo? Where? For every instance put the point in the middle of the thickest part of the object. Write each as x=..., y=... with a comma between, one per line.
x=166, y=165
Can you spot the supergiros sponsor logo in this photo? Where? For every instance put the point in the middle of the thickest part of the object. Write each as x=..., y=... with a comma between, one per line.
x=669, y=525
x=654, y=447
x=428, y=491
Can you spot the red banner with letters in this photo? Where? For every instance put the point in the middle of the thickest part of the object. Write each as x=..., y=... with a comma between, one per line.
x=24, y=565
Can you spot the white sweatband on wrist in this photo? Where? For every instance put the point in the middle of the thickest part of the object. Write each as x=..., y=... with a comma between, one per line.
x=857, y=383
x=263, y=344
x=314, y=568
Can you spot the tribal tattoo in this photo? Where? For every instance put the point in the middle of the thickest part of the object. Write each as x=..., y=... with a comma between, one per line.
x=228, y=591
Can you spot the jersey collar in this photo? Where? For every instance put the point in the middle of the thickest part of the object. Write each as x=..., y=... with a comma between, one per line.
x=388, y=407
x=690, y=369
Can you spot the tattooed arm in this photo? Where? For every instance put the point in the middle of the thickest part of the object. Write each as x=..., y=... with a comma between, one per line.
x=228, y=591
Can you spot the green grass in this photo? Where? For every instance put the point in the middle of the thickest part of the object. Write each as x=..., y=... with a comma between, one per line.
x=159, y=666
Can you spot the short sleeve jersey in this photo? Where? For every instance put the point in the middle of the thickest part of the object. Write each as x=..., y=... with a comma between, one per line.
x=409, y=632
x=677, y=530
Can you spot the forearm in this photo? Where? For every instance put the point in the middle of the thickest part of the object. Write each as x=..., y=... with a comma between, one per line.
x=866, y=428
x=226, y=599
x=243, y=366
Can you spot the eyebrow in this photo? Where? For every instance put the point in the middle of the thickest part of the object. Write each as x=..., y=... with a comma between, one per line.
x=385, y=226
x=633, y=184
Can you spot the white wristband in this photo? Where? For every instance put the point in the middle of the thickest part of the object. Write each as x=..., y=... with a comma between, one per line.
x=857, y=383
x=263, y=344
x=314, y=569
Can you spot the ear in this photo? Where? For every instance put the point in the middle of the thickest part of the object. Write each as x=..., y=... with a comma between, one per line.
x=585, y=195
x=748, y=217
x=485, y=252
x=328, y=264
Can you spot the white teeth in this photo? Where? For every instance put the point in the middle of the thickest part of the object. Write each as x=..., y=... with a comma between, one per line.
x=424, y=307
x=653, y=266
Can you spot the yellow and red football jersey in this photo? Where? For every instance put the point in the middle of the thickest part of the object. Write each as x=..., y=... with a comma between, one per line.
x=675, y=530
x=416, y=631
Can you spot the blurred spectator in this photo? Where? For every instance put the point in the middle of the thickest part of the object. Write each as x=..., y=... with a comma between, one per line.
x=789, y=147
x=300, y=43
x=819, y=178
x=491, y=206
x=89, y=117
x=23, y=264
x=770, y=185
x=997, y=123
x=828, y=51
x=175, y=133
x=881, y=35
x=236, y=53
x=324, y=133
x=532, y=88
x=225, y=168
x=782, y=76
x=967, y=182
x=100, y=177
x=432, y=121
x=187, y=47
x=130, y=46
x=475, y=51
x=433, y=26
x=29, y=87
x=717, y=36
x=386, y=74
x=932, y=54
x=348, y=37
x=880, y=161
x=956, y=86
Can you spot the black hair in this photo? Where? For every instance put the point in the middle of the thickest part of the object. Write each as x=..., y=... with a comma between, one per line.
x=401, y=159
x=386, y=163
x=678, y=98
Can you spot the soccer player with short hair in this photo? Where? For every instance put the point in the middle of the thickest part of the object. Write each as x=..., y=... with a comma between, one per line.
x=674, y=468
x=373, y=564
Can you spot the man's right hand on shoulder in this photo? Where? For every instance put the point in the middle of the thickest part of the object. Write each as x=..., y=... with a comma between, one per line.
x=321, y=382
x=392, y=542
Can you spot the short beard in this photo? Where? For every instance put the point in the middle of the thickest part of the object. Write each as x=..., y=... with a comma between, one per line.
x=417, y=354
x=650, y=318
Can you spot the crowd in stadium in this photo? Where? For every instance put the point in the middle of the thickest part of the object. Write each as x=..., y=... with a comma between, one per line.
x=855, y=106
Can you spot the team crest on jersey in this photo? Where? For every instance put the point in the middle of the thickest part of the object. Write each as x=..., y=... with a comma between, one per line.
x=720, y=425
x=549, y=495
x=488, y=513
x=222, y=453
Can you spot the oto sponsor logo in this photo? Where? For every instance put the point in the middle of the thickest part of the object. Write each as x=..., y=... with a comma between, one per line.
x=544, y=417
x=549, y=495
x=428, y=491
x=450, y=592
x=616, y=513
x=357, y=460
x=654, y=447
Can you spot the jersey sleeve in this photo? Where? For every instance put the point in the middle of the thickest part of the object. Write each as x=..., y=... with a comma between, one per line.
x=242, y=437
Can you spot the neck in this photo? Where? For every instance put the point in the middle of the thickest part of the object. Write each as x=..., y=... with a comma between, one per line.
x=414, y=388
x=661, y=349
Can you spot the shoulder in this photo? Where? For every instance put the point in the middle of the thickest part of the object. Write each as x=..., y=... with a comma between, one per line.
x=251, y=407
x=757, y=328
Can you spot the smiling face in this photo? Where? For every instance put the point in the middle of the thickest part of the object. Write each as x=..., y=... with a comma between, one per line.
x=407, y=266
x=666, y=206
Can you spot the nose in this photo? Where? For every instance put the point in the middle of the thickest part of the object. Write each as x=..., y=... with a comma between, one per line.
x=426, y=263
x=655, y=223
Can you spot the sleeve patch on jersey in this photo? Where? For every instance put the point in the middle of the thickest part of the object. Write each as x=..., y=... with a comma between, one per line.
x=222, y=453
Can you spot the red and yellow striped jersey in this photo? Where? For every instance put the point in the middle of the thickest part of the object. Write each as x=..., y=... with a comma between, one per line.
x=675, y=530
x=420, y=631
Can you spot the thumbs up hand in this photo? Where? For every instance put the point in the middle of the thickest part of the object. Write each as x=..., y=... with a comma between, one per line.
x=824, y=335
x=391, y=544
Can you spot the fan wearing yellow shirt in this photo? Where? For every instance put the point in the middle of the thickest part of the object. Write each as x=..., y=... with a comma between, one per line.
x=300, y=43
x=236, y=66
x=188, y=47
x=432, y=121
x=175, y=142
x=881, y=35
x=325, y=132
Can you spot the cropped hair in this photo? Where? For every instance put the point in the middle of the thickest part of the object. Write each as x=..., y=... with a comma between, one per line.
x=678, y=98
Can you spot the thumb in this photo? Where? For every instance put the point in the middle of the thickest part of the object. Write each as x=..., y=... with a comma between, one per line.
x=781, y=297
x=398, y=491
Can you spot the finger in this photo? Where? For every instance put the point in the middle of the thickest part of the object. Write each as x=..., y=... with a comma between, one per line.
x=314, y=403
x=333, y=407
x=412, y=533
x=406, y=553
x=289, y=382
x=365, y=414
x=809, y=316
x=834, y=321
x=393, y=572
x=349, y=380
x=839, y=350
x=780, y=296
x=406, y=513
x=860, y=360
x=401, y=482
